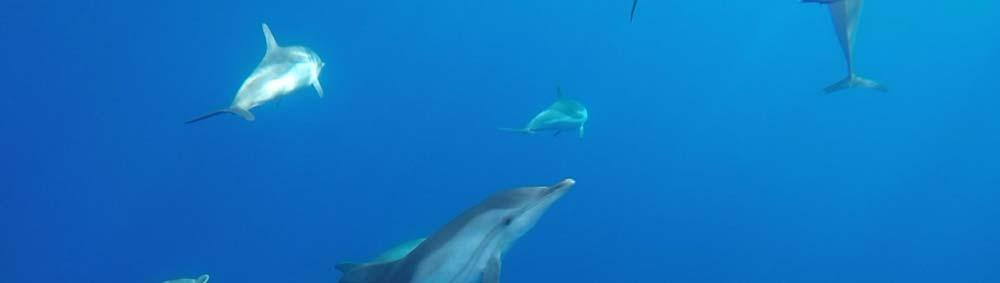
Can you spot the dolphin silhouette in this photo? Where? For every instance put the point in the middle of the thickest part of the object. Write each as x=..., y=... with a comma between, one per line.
x=281, y=71
x=845, y=14
x=564, y=114
x=470, y=247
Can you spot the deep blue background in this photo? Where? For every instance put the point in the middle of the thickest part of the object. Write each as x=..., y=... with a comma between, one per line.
x=709, y=156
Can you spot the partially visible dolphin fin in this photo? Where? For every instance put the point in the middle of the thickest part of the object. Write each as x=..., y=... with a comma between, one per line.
x=202, y=279
x=523, y=131
x=269, y=37
x=581, y=131
x=634, y=4
x=492, y=272
x=364, y=273
x=854, y=81
x=234, y=110
x=318, y=87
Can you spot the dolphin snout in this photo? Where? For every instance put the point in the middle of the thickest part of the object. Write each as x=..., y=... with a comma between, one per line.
x=562, y=186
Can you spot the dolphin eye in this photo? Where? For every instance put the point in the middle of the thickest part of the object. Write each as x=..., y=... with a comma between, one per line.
x=507, y=221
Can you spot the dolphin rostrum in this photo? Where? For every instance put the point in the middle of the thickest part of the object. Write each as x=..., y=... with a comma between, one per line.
x=845, y=15
x=470, y=247
x=283, y=70
x=201, y=279
x=564, y=114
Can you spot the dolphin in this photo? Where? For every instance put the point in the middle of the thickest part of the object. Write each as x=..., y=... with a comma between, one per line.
x=470, y=247
x=632, y=16
x=564, y=114
x=201, y=279
x=845, y=15
x=283, y=70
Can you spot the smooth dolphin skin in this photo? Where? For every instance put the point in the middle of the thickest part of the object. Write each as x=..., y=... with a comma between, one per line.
x=201, y=279
x=469, y=248
x=845, y=15
x=564, y=114
x=283, y=70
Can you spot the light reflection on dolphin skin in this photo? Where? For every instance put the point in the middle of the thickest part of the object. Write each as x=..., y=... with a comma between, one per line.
x=469, y=248
x=845, y=14
x=283, y=70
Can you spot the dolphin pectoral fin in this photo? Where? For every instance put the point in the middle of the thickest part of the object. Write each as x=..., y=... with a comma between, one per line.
x=632, y=16
x=269, y=37
x=523, y=131
x=239, y=112
x=853, y=81
x=319, y=88
x=202, y=279
x=492, y=272
x=581, y=131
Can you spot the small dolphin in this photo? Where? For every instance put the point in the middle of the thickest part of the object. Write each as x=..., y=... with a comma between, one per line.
x=632, y=16
x=201, y=279
x=564, y=114
x=845, y=15
x=282, y=71
x=469, y=248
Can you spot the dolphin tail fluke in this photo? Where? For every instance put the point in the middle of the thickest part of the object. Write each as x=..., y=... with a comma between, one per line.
x=632, y=16
x=237, y=111
x=523, y=131
x=854, y=81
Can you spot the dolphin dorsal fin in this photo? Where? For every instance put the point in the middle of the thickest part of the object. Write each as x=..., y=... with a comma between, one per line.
x=269, y=37
x=202, y=279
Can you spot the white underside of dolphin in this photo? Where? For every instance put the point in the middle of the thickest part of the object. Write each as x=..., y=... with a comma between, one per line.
x=845, y=14
x=281, y=71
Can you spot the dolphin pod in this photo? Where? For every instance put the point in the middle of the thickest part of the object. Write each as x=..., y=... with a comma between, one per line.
x=281, y=71
x=468, y=249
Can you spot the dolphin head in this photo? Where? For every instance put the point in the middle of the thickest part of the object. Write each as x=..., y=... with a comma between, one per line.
x=516, y=211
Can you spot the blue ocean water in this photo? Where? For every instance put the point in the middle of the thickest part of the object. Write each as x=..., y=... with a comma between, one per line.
x=709, y=155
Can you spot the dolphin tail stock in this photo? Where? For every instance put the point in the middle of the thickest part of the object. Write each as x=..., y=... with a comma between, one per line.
x=523, y=131
x=854, y=81
x=232, y=110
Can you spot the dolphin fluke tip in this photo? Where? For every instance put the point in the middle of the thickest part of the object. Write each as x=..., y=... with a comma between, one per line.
x=854, y=81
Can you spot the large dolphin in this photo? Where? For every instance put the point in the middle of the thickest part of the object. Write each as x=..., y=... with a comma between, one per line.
x=283, y=70
x=564, y=114
x=845, y=15
x=470, y=247
x=201, y=279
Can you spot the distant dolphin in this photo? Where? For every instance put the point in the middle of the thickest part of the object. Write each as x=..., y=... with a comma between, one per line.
x=469, y=249
x=845, y=15
x=564, y=114
x=283, y=70
x=632, y=16
x=201, y=279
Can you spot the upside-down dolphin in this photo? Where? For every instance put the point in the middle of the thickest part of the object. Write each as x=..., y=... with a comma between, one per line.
x=470, y=247
x=201, y=279
x=283, y=70
x=845, y=15
x=564, y=114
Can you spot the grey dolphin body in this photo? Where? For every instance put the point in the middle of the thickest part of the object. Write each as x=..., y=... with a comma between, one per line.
x=564, y=114
x=201, y=279
x=283, y=70
x=469, y=248
x=845, y=14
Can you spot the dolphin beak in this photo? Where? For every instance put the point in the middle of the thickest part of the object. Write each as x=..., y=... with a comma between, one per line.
x=562, y=187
